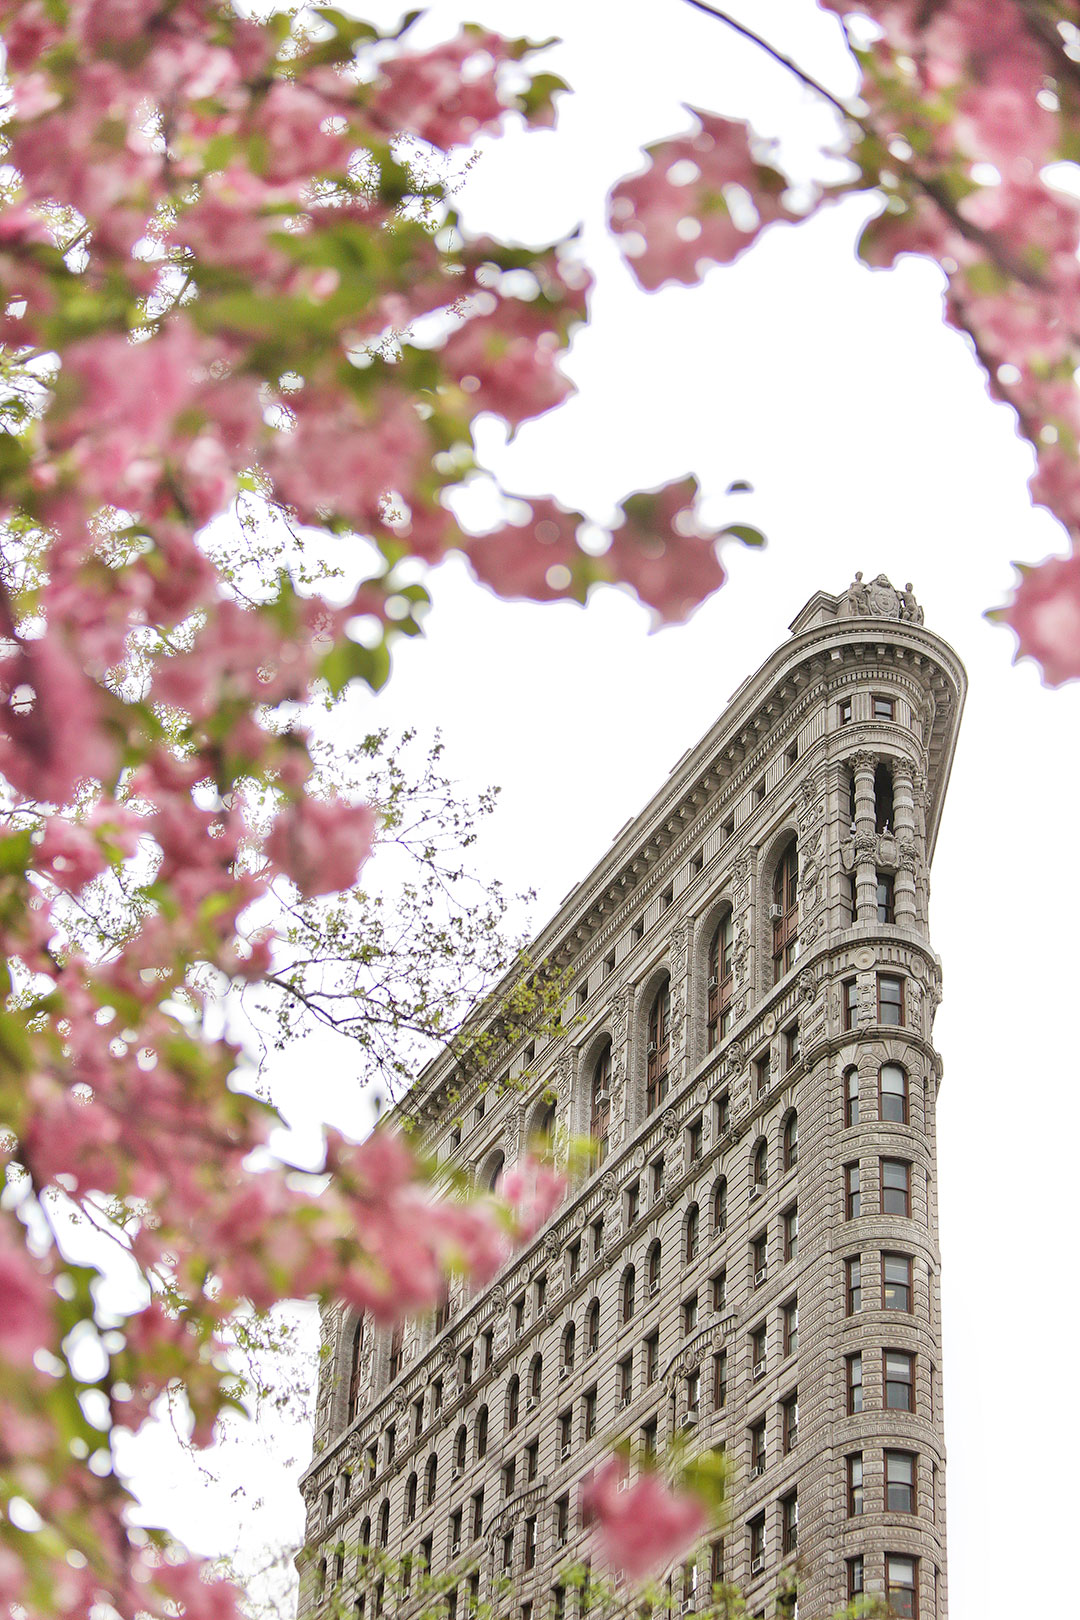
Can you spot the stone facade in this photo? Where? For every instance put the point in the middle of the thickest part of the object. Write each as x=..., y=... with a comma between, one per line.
x=776, y=1210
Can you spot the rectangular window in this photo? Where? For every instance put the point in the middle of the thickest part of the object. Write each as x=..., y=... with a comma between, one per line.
x=843, y=712
x=530, y=1541
x=532, y=1460
x=791, y=1328
x=791, y=1233
x=716, y=1563
x=723, y=1114
x=883, y=708
x=790, y=1414
x=648, y=1438
x=893, y=1094
x=467, y=1367
x=886, y=903
x=692, y=1391
x=890, y=999
x=854, y=1485
x=540, y=1296
x=758, y=1460
x=418, y=1417
x=609, y=964
x=757, y=1350
x=896, y=1282
x=652, y=1357
x=762, y=1070
x=689, y=1314
x=598, y=1238
x=759, y=1258
x=573, y=1260
x=489, y=1348
x=854, y=1383
x=851, y=1192
x=633, y=1202
x=895, y=1187
x=566, y=1431
x=853, y=1285
x=590, y=1412
x=508, y=1552
x=756, y=1528
x=626, y=1380
x=850, y=991
x=851, y=1098
x=789, y=1520
x=900, y=1482
x=657, y=1172
x=562, y=1521
x=478, y=1515
x=792, y=1051
x=391, y=1441
x=519, y=1316
x=720, y=1379
x=694, y=1138
x=719, y=1289
x=455, y=1532
x=899, y=1378
x=855, y=1579
x=509, y=1477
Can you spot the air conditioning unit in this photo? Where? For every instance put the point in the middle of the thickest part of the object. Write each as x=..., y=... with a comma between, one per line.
x=760, y=1276
x=566, y=1452
x=455, y=1549
x=689, y=1417
x=627, y=1397
x=651, y=1048
x=755, y=1191
x=713, y=981
x=565, y=1371
x=654, y=1288
x=759, y=1466
x=776, y=912
x=757, y=1564
x=531, y=1404
x=455, y=1473
x=759, y=1370
x=602, y=1098
x=563, y=1538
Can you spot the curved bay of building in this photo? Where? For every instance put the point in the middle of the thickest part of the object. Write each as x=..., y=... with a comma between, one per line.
x=754, y=1261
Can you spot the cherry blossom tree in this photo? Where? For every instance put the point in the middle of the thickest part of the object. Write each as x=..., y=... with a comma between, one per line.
x=245, y=341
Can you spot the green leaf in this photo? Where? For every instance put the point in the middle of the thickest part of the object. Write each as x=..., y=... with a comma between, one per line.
x=744, y=532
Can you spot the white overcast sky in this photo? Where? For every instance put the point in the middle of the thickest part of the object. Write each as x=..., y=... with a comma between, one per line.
x=863, y=425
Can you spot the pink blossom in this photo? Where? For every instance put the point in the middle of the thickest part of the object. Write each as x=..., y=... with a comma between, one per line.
x=1045, y=613
x=675, y=215
x=25, y=1315
x=643, y=1528
x=290, y=122
x=540, y=560
x=662, y=553
x=534, y=1190
x=322, y=843
x=51, y=735
x=428, y=94
x=201, y=1599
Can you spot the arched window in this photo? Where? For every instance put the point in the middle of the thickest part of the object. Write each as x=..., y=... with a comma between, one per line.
x=461, y=1440
x=536, y=1377
x=761, y=1164
x=691, y=1234
x=600, y=1111
x=431, y=1479
x=720, y=983
x=493, y=1170
x=355, y=1361
x=384, y=1523
x=655, y=1254
x=719, y=1205
x=592, y=1335
x=659, y=1050
x=628, y=1294
x=569, y=1340
x=397, y=1341
x=513, y=1401
x=883, y=796
x=410, y=1498
x=785, y=911
x=339, y=1567
x=320, y=1581
x=365, y=1544
x=481, y=1433
x=894, y=1094
x=851, y=1097
x=791, y=1141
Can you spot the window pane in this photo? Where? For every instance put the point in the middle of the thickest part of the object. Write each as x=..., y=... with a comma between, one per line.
x=894, y=1094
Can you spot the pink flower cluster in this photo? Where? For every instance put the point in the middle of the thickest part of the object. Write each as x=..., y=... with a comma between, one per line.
x=643, y=1528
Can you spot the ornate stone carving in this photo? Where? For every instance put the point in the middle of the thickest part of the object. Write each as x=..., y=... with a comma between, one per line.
x=680, y=940
x=735, y=1058
x=552, y=1245
x=910, y=611
x=564, y=1076
x=620, y=1017
x=879, y=600
x=670, y=1124
x=807, y=984
x=607, y=1185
